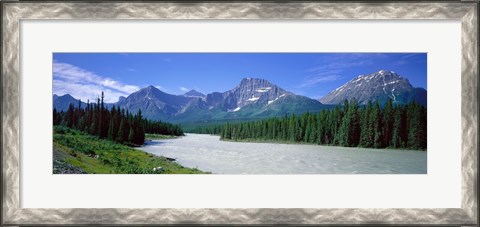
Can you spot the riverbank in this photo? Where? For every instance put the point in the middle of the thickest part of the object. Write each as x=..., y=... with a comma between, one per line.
x=304, y=143
x=149, y=136
x=76, y=152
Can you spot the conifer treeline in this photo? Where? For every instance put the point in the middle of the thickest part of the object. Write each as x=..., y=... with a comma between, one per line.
x=115, y=124
x=350, y=125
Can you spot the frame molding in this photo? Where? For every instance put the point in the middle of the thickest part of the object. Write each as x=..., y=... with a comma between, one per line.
x=14, y=12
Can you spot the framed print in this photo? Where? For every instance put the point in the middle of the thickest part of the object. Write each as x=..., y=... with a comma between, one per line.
x=240, y=113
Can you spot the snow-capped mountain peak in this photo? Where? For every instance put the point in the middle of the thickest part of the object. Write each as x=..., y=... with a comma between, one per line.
x=378, y=86
x=252, y=90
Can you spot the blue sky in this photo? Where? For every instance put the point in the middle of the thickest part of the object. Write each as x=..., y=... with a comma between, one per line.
x=85, y=75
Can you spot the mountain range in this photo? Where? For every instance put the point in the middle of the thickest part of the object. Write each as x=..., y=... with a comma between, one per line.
x=251, y=99
x=255, y=98
x=379, y=86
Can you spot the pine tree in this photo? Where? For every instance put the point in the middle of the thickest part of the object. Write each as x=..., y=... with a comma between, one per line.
x=366, y=137
x=97, y=117
x=291, y=128
x=56, y=117
x=131, y=136
x=376, y=124
x=354, y=125
x=111, y=133
x=70, y=116
x=422, y=134
x=139, y=132
x=121, y=133
x=312, y=121
x=397, y=128
x=388, y=120
x=88, y=119
x=413, y=125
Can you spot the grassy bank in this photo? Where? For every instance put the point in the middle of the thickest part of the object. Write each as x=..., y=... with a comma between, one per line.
x=149, y=136
x=77, y=152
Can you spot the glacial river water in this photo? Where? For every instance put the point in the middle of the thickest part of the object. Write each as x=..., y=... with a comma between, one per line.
x=208, y=153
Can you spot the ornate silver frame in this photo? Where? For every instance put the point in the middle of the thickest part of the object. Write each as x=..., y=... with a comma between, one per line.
x=14, y=12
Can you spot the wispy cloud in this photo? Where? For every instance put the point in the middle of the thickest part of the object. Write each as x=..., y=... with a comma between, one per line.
x=83, y=84
x=312, y=80
x=338, y=66
x=160, y=88
x=184, y=89
x=408, y=59
x=168, y=60
x=131, y=70
x=410, y=56
x=330, y=69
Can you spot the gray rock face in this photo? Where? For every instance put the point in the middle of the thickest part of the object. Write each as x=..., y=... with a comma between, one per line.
x=154, y=103
x=379, y=86
x=252, y=90
x=195, y=103
x=214, y=98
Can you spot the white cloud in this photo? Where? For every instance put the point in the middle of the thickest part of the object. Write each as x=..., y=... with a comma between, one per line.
x=184, y=89
x=83, y=84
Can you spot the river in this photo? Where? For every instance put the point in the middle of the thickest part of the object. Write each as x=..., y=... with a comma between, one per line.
x=208, y=153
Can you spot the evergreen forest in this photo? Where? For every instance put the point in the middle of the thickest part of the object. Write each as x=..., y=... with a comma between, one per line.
x=114, y=124
x=349, y=125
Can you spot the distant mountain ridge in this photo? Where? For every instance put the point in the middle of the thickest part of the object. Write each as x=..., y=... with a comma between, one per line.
x=256, y=98
x=379, y=86
x=252, y=98
x=154, y=103
x=61, y=103
x=194, y=93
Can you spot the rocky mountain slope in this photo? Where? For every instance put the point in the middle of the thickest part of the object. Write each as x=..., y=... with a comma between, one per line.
x=251, y=98
x=378, y=86
x=155, y=104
